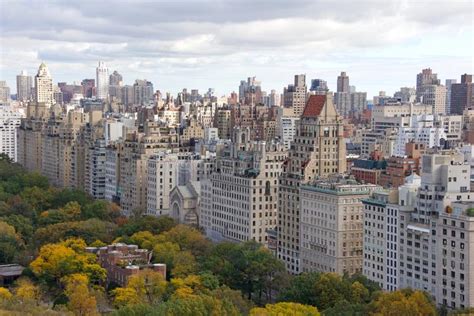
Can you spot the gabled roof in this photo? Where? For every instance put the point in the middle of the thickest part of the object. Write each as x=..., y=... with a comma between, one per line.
x=314, y=105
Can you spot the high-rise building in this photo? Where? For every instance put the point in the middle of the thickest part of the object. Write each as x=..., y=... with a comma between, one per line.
x=250, y=91
x=143, y=92
x=9, y=122
x=115, y=79
x=102, y=76
x=244, y=190
x=462, y=95
x=448, y=84
x=24, y=85
x=294, y=96
x=318, y=150
x=429, y=91
x=343, y=83
x=425, y=78
x=405, y=95
x=331, y=225
x=4, y=93
x=44, y=86
x=88, y=88
x=319, y=86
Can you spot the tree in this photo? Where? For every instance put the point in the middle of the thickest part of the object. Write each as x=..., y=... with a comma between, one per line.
x=144, y=239
x=154, y=225
x=56, y=261
x=301, y=289
x=26, y=291
x=285, y=309
x=187, y=238
x=5, y=294
x=10, y=242
x=403, y=302
x=249, y=267
x=89, y=230
x=81, y=301
x=147, y=287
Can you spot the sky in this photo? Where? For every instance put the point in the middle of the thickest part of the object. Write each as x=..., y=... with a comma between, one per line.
x=381, y=44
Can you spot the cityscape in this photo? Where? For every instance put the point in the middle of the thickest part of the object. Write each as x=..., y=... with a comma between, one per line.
x=123, y=195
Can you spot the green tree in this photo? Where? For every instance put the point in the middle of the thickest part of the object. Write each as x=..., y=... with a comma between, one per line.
x=10, y=242
x=154, y=225
x=249, y=267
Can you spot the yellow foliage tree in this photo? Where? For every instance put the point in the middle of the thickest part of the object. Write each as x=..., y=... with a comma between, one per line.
x=5, y=294
x=147, y=287
x=144, y=239
x=403, y=302
x=26, y=291
x=81, y=301
x=56, y=261
x=285, y=309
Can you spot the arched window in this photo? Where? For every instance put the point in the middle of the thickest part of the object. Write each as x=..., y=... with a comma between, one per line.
x=267, y=188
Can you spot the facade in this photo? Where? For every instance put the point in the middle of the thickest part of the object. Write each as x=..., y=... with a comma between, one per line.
x=184, y=201
x=242, y=193
x=10, y=120
x=318, y=150
x=331, y=224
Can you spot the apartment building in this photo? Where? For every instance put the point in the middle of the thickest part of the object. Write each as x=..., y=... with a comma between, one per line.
x=318, y=150
x=331, y=224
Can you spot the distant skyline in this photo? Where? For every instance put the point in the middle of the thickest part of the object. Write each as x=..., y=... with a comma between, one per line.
x=381, y=45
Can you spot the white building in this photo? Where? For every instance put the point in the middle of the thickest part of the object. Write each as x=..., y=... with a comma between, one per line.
x=9, y=122
x=44, y=86
x=97, y=170
x=286, y=126
x=239, y=201
x=112, y=173
x=102, y=75
x=331, y=224
x=422, y=130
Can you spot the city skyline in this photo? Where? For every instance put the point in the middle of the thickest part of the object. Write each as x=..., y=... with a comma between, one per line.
x=204, y=46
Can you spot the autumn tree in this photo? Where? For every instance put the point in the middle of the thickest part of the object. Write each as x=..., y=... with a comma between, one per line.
x=285, y=309
x=10, y=242
x=80, y=300
x=403, y=302
x=56, y=261
x=147, y=287
x=27, y=291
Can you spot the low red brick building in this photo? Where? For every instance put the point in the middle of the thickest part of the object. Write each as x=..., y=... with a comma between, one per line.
x=122, y=261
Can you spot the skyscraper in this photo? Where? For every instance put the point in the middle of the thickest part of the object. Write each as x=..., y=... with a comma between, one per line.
x=102, y=74
x=430, y=91
x=318, y=150
x=294, y=96
x=44, y=86
x=449, y=83
x=319, y=86
x=4, y=92
x=462, y=95
x=24, y=84
x=342, y=97
x=343, y=82
x=115, y=79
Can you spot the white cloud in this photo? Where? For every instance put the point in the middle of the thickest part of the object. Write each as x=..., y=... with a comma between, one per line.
x=179, y=43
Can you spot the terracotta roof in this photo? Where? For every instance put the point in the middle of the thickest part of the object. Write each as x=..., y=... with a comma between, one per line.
x=314, y=105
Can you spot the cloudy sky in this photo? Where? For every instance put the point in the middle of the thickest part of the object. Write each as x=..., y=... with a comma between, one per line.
x=381, y=44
